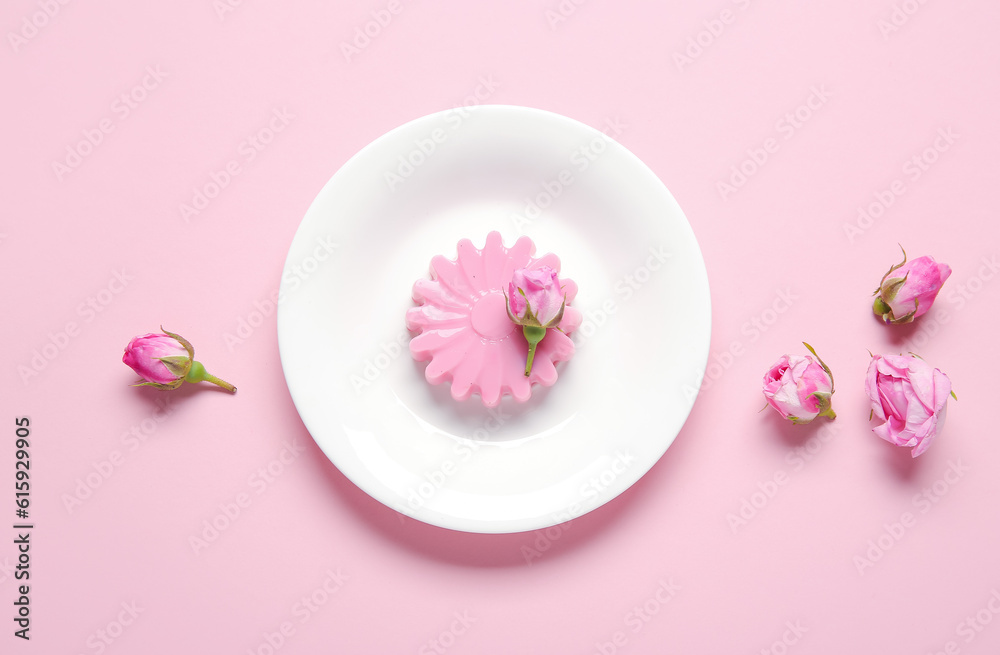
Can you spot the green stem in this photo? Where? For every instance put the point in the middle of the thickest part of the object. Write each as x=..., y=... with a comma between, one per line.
x=533, y=334
x=199, y=374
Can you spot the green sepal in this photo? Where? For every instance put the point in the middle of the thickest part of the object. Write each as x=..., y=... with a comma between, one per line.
x=882, y=310
x=903, y=320
x=178, y=365
x=889, y=291
x=184, y=342
x=530, y=320
x=821, y=363
x=891, y=287
x=558, y=317
x=529, y=316
x=825, y=408
x=157, y=385
x=899, y=265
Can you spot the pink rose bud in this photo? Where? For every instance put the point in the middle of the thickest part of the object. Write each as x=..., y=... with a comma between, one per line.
x=799, y=387
x=534, y=297
x=535, y=301
x=166, y=361
x=910, y=291
x=910, y=397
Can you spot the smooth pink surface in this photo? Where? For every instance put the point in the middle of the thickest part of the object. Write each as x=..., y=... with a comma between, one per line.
x=462, y=329
x=853, y=133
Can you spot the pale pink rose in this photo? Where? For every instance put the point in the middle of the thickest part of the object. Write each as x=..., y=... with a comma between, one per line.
x=535, y=297
x=799, y=388
x=166, y=361
x=910, y=397
x=908, y=290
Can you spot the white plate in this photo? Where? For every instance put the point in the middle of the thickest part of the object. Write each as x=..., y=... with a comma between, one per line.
x=412, y=194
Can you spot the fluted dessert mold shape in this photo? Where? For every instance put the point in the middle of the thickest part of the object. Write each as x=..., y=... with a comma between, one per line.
x=463, y=329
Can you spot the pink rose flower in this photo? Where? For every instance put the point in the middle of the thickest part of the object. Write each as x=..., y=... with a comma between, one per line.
x=535, y=297
x=911, y=290
x=166, y=361
x=799, y=388
x=145, y=356
x=535, y=301
x=910, y=397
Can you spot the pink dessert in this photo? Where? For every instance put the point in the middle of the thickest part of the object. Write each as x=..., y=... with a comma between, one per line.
x=464, y=330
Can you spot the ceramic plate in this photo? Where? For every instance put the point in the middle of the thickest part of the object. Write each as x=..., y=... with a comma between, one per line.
x=414, y=193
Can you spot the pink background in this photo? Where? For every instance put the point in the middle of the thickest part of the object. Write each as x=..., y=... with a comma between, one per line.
x=659, y=569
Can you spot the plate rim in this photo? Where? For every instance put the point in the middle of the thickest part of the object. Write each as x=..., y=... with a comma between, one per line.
x=493, y=526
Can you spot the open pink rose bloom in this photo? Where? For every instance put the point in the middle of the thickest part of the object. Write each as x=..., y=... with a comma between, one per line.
x=910, y=397
x=465, y=332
